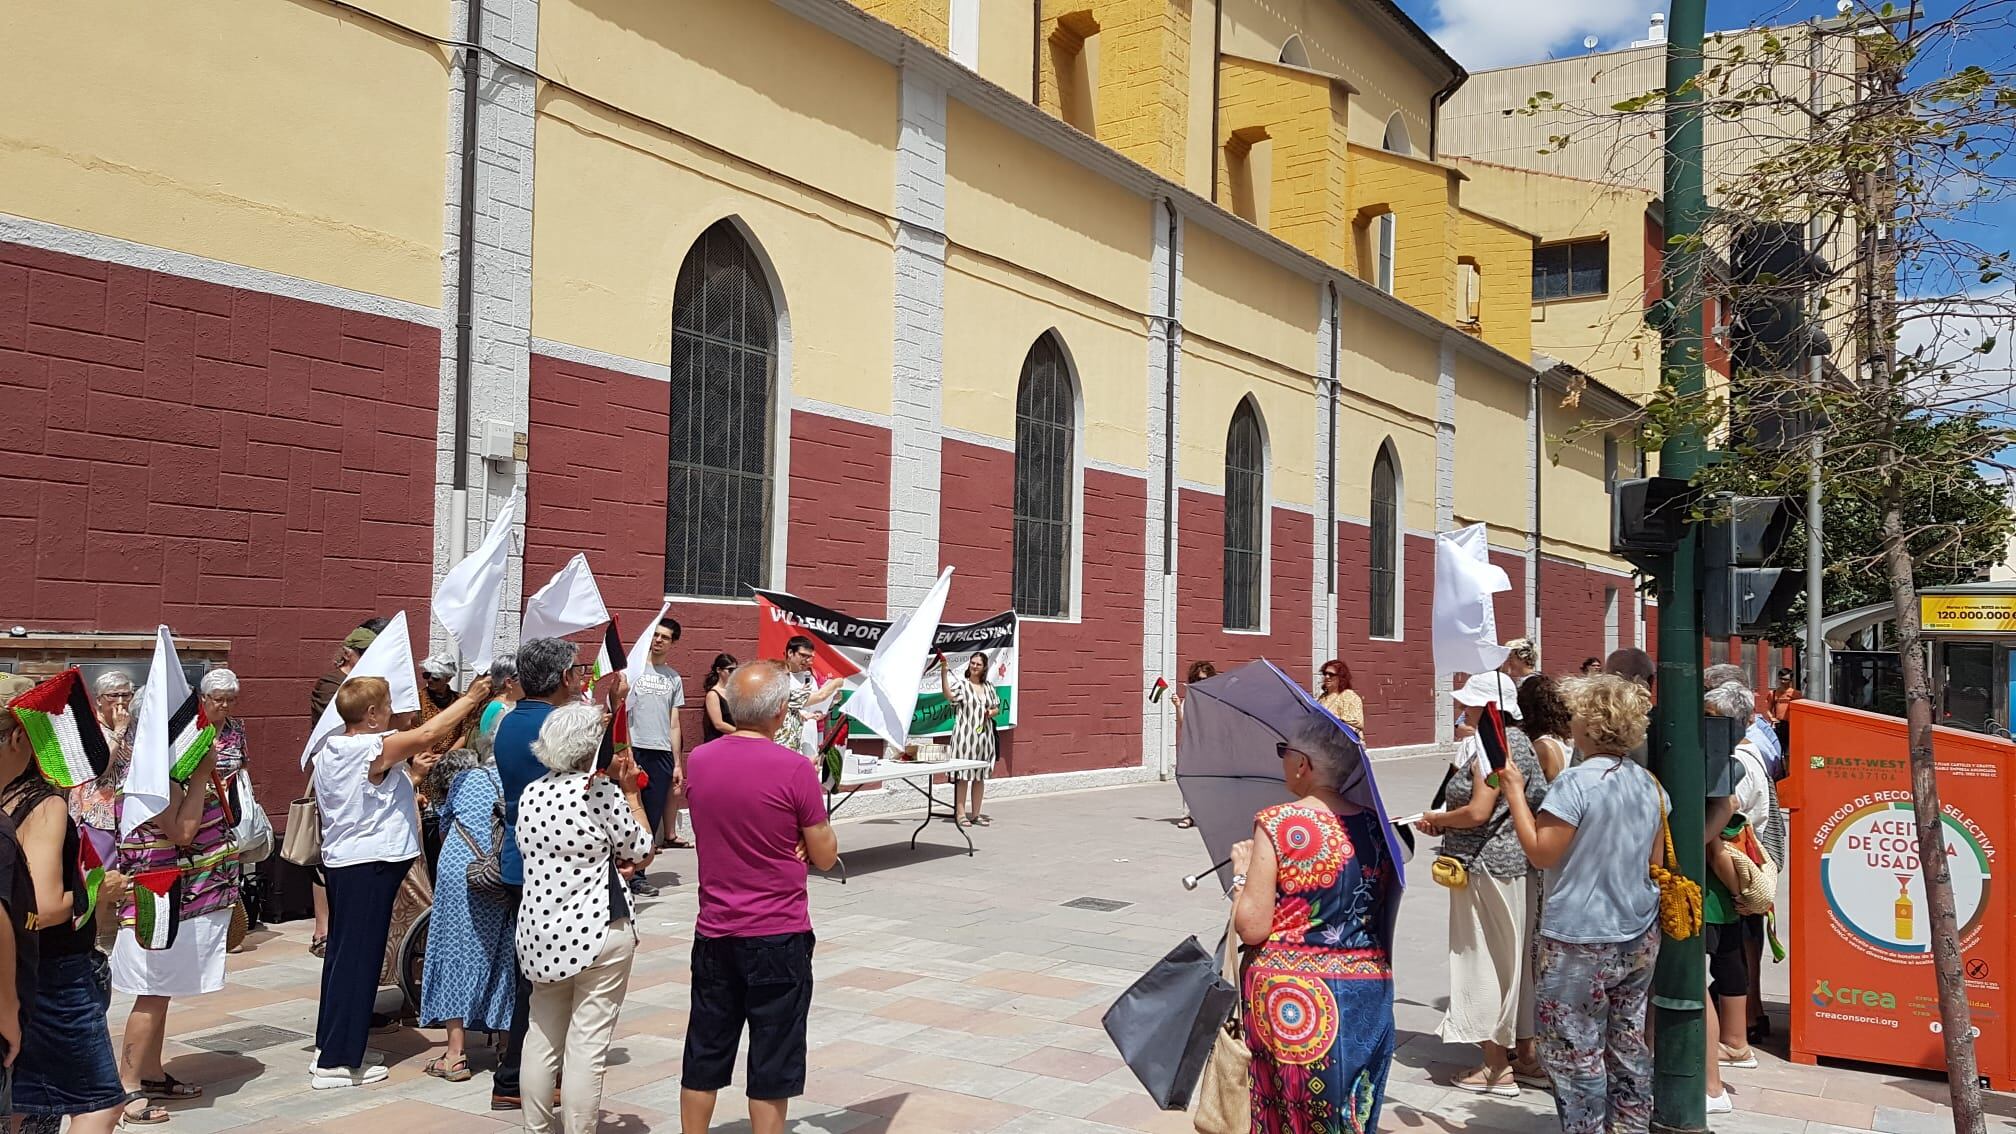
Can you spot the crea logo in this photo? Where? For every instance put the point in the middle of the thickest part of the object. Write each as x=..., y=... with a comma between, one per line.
x=1827, y=996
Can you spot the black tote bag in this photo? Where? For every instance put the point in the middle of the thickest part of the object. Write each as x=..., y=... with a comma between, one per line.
x=1165, y=1023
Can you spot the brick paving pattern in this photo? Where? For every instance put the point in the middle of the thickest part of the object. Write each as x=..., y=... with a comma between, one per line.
x=956, y=995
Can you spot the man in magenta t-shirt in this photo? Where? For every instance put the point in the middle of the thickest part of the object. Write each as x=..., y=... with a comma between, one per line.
x=758, y=819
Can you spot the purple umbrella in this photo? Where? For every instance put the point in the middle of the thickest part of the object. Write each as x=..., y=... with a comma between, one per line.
x=1228, y=770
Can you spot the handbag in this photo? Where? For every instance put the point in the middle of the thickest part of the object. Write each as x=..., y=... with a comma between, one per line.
x=1165, y=1025
x=485, y=873
x=303, y=843
x=1225, y=1094
x=1757, y=877
x=252, y=829
x=1679, y=895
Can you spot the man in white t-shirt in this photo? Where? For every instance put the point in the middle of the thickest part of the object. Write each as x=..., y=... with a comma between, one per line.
x=657, y=693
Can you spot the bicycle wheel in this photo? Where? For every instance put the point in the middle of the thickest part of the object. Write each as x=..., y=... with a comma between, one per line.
x=413, y=961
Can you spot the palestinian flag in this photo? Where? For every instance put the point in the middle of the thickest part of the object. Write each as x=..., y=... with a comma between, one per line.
x=69, y=745
x=157, y=907
x=94, y=877
x=190, y=735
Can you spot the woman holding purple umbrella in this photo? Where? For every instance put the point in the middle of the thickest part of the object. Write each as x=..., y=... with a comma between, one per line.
x=1311, y=889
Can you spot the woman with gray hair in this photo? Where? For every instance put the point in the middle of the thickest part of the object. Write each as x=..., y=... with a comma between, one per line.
x=575, y=938
x=469, y=977
x=95, y=804
x=218, y=695
x=504, y=694
x=1310, y=889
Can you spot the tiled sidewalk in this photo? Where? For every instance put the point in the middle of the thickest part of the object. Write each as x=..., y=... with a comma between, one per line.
x=956, y=995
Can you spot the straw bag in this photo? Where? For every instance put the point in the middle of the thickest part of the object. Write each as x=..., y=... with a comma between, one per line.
x=1225, y=1092
x=1757, y=880
x=1679, y=896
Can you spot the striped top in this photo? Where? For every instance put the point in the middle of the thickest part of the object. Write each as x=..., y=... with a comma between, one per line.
x=209, y=866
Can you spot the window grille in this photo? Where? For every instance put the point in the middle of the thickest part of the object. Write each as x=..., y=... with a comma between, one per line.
x=1045, y=482
x=724, y=367
x=1245, y=515
x=1385, y=544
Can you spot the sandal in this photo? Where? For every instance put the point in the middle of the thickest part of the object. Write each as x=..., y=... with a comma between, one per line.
x=318, y=946
x=454, y=1071
x=677, y=843
x=1481, y=1082
x=169, y=1087
x=1740, y=1060
x=1532, y=1075
x=983, y=820
x=147, y=1115
x=1185, y=823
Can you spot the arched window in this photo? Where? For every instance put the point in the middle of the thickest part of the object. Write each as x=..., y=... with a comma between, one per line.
x=1396, y=140
x=724, y=370
x=1046, y=481
x=1294, y=53
x=1245, y=519
x=1385, y=544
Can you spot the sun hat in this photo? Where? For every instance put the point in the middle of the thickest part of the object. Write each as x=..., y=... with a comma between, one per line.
x=1484, y=688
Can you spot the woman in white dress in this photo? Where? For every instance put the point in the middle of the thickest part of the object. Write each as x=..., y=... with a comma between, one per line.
x=975, y=703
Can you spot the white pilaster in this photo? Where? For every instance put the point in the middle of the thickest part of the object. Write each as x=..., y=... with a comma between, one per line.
x=501, y=291
x=1534, y=455
x=915, y=441
x=1445, y=504
x=1158, y=594
x=1323, y=560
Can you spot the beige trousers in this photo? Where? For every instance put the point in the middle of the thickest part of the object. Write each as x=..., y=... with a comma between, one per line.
x=576, y=1016
x=1491, y=926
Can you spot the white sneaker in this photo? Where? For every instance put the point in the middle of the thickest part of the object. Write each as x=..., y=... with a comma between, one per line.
x=371, y=1059
x=331, y=1078
x=1721, y=1104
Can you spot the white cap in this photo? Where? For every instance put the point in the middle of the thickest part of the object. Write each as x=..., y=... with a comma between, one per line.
x=438, y=665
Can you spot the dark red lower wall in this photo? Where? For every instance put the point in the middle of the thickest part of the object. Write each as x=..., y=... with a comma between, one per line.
x=596, y=483
x=1395, y=677
x=1200, y=590
x=234, y=464
x=1081, y=680
x=1571, y=610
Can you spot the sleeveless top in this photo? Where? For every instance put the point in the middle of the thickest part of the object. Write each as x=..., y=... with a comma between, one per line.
x=66, y=937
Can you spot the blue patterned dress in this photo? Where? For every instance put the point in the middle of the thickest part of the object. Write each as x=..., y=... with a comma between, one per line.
x=470, y=959
x=1319, y=993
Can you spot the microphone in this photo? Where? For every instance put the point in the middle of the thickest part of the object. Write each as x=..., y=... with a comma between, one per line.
x=1190, y=881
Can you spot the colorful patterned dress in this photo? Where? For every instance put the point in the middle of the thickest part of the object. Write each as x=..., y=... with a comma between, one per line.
x=1319, y=994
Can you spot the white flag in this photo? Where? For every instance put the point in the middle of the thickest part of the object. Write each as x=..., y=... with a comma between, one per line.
x=146, y=787
x=472, y=593
x=569, y=603
x=638, y=656
x=1465, y=623
x=887, y=695
x=389, y=656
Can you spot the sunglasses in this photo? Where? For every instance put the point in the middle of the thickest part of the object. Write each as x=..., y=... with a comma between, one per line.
x=1283, y=748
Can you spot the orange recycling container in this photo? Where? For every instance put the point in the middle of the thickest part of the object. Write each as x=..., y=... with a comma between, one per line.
x=1862, y=984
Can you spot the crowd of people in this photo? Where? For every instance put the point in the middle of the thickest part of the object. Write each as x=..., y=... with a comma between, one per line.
x=502, y=812
x=1552, y=860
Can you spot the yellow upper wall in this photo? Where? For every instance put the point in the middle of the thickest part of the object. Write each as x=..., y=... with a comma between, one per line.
x=1504, y=258
x=1215, y=381
x=1247, y=302
x=1285, y=127
x=1387, y=366
x=1008, y=45
x=1118, y=69
x=1022, y=202
x=1422, y=197
x=157, y=122
x=1493, y=468
x=621, y=204
x=994, y=314
x=1576, y=505
x=928, y=20
x=1345, y=40
x=717, y=69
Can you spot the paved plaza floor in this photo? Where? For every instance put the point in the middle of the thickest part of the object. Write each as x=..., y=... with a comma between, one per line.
x=956, y=994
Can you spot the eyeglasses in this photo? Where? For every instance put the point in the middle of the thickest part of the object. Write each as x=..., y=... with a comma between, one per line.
x=115, y=696
x=1283, y=748
x=583, y=667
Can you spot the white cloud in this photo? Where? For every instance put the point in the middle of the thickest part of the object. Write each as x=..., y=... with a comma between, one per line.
x=1971, y=341
x=1496, y=33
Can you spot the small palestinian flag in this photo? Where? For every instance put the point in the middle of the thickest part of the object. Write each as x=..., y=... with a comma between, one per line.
x=190, y=735
x=69, y=745
x=1156, y=690
x=157, y=907
x=94, y=877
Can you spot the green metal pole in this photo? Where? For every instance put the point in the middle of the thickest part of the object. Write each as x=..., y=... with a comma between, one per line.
x=1680, y=1054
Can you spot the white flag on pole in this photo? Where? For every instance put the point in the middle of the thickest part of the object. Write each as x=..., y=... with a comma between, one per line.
x=389, y=656
x=638, y=656
x=1465, y=623
x=471, y=594
x=569, y=603
x=146, y=787
x=887, y=695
